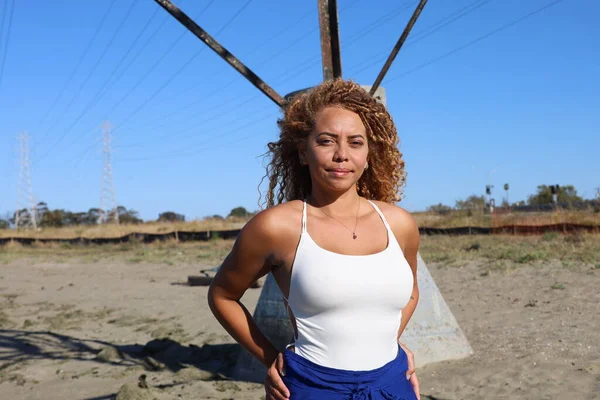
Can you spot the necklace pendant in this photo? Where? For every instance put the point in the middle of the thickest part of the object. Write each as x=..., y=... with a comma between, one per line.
x=354, y=236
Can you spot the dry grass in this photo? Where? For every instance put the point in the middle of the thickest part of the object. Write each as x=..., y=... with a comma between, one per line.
x=424, y=219
x=112, y=231
x=497, y=251
x=460, y=218
x=500, y=251
x=168, y=253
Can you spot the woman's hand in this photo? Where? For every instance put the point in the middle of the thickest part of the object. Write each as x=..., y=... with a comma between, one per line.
x=274, y=386
x=411, y=374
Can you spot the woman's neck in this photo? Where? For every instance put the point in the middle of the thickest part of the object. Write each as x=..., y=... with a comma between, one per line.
x=339, y=204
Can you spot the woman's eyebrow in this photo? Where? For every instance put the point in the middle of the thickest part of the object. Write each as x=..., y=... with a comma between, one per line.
x=358, y=135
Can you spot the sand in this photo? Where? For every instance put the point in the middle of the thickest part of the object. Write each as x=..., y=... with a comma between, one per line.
x=136, y=331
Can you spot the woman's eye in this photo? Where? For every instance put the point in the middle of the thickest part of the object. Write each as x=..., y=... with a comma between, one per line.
x=358, y=143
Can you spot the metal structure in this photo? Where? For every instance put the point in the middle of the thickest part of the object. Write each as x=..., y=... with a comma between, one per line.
x=25, y=214
x=330, y=46
x=432, y=334
x=108, y=198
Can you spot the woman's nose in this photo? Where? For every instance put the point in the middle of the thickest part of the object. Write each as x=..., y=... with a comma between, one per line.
x=340, y=154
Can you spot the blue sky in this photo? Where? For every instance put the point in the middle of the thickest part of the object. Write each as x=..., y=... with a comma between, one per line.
x=520, y=106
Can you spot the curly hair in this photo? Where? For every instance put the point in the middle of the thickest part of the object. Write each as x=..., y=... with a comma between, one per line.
x=290, y=180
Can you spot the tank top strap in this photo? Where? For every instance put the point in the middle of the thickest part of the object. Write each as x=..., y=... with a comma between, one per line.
x=387, y=226
x=304, y=217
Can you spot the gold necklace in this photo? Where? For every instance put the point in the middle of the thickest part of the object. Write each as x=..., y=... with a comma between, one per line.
x=354, y=236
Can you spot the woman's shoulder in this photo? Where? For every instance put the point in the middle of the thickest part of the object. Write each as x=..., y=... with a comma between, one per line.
x=276, y=222
x=402, y=223
x=396, y=215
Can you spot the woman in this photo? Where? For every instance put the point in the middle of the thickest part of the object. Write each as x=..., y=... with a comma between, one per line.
x=343, y=255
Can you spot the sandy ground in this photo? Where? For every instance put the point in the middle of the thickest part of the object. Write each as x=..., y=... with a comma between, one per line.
x=83, y=331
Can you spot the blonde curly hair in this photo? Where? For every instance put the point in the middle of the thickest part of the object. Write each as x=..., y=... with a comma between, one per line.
x=385, y=178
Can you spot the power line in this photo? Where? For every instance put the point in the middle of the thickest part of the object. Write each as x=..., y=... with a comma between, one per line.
x=396, y=11
x=5, y=52
x=173, y=76
x=124, y=97
x=99, y=93
x=184, y=66
x=192, y=150
x=357, y=35
x=446, y=20
x=134, y=58
x=430, y=30
x=263, y=43
x=85, y=52
x=475, y=41
x=106, y=48
x=176, y=134
x=4, y=15
x=308, y=63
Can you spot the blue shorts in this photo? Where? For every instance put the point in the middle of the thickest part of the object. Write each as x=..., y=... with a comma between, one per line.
x=307, y=380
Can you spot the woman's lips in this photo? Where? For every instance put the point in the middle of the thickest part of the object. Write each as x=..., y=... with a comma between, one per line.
x=339, y=172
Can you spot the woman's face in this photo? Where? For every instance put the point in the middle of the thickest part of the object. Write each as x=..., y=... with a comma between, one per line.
x=336, y=151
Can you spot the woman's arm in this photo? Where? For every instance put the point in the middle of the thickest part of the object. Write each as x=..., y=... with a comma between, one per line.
x=407, y=233
x=250, y=259
x=410, y=250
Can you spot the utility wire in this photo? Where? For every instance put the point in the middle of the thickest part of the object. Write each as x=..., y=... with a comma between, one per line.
x=128, y=93
x=192, y=151
x=309, y=63
x=100, y=92
x=420, y=35
x=254, y=50
x=357, y=35
x=8, y=29
x=89, y=76
x=134, y=58
x=468, y=44
x=402, y=8
x=85, y=52
x=2, y=18
x=185, y=65
x=475, y=41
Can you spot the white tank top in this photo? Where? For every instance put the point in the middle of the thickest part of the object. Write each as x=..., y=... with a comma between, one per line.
x=348, y=308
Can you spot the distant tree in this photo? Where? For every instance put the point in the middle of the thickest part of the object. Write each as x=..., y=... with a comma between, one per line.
x=598, y=193
x=566, y=194
x=55, y=219
x=440, y=209
x=4, y=224
x=471, y=203
x=170, y=216
x=128, y=216
x=92, y=216
x=217, y=216
x=238, y=212
x=41, y=209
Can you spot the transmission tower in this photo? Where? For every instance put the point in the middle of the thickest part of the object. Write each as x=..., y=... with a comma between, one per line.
x=25, y=215
x=108, y=198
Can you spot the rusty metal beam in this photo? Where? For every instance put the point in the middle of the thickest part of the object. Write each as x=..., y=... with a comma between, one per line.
x=330, y=39
x=221, y=51
x=398, y=45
